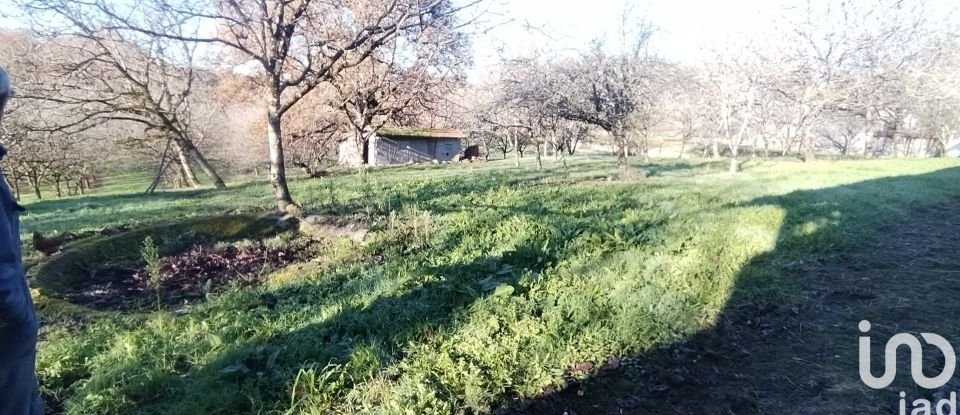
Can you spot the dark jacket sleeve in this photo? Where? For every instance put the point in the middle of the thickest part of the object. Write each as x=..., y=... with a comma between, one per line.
x=16, y=308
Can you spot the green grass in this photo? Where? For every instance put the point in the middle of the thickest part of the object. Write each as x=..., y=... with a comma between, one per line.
x=493, y=280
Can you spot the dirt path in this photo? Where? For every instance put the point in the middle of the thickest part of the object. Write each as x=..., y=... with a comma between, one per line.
x=803, y=360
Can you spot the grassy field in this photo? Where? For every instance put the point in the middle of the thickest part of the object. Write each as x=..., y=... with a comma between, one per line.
x=481, y=286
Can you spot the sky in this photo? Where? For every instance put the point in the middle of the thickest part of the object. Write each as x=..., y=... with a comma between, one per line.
x=683, y=27
x=682, y=24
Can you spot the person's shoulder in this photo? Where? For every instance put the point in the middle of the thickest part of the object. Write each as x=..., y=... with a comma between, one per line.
x=8, y=203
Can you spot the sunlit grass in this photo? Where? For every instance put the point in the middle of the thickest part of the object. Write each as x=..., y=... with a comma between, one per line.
x=492, y=281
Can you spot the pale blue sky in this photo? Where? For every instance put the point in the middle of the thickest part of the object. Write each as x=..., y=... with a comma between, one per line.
x=685, y=28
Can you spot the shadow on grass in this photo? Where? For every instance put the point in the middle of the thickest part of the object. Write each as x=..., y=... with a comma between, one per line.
x=109, y=200
x=765, y=354
x=362, y=338
x=83, y=212
x=96, y=211
x=882, y=250
x=351, y=346
x=459, y=193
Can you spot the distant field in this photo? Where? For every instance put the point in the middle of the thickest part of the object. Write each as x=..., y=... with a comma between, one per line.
x=481, y=284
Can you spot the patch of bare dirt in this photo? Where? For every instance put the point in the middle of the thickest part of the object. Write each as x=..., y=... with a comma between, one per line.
x=186, y=277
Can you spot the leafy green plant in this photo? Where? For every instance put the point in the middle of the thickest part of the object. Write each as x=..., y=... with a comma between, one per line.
x=151, y=257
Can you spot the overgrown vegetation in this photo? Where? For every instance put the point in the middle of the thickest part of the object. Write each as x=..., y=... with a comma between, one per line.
x=151, y=257
x=478, y=285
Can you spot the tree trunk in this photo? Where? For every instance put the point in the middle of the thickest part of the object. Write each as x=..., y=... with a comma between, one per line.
x=539, y=159
x=808, y=154
x=623, y=162
x=36, y=188
x=516, y=150
x=645, y=149
x=278, y=174
x=941, y=147
x=716, y=147
x=182, y=178
x=160, y=169
x=735, y=144
x=879, y=152
x=56, y=185
x=806, y=148
x=185, y=169
x=865, y=150
x=194, y=152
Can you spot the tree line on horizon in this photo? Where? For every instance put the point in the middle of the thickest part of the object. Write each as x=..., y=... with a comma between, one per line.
x=194, y=89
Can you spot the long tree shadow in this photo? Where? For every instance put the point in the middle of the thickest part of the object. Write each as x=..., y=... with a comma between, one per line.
x=881, y=250
x=108, y=200
x=99, y=210
x=357, y=341
x=767, y=352
x=383, y=196
x=365, y=335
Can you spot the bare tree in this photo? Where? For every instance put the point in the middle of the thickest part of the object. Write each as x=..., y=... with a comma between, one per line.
x=298, y=45
x=935, y=94
x=605, y=90
x=565, y=137
x=733, y=79
x=39, y=155
x=406, y=79
x=686, y=109
x=839, y=51
x=109, y=73
x=315, y=133
x=38, y=151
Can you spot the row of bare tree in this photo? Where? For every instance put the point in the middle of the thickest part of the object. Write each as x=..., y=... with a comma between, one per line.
x=175, y=81
x=202, y=86
x=869, y=78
